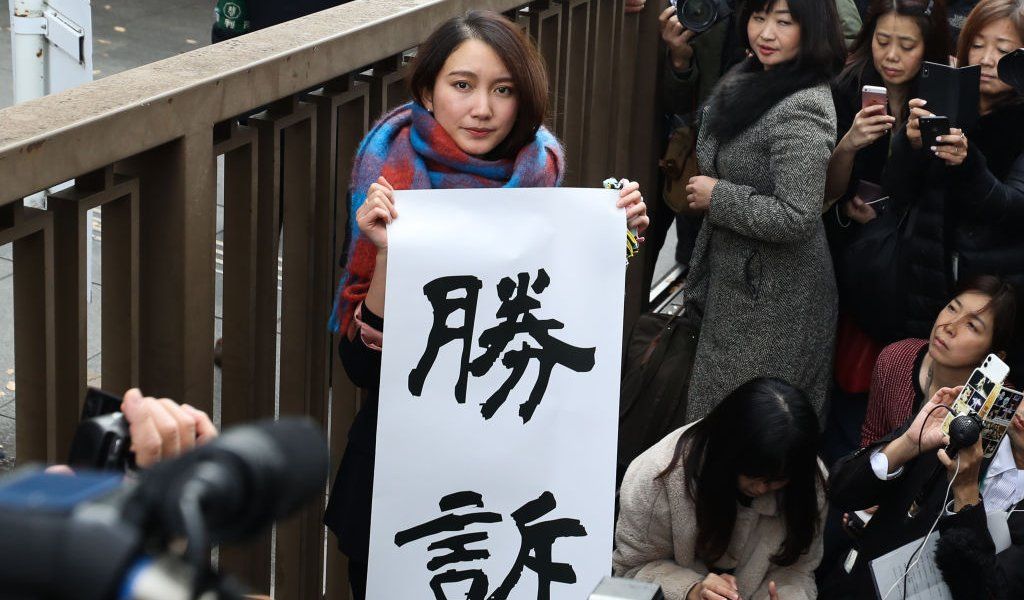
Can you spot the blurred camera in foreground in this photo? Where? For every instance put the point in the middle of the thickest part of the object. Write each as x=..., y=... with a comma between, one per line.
x=97, y=536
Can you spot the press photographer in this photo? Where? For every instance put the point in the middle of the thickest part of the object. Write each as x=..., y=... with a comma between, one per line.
x=217, y=491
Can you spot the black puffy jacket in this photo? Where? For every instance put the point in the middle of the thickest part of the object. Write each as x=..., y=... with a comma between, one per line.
x=964, y=221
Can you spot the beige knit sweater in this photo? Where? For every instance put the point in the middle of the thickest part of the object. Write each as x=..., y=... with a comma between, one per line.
x=657, y=531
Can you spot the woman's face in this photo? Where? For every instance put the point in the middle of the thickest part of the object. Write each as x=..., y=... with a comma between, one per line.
x=752, y=487
x=897, y=48
x=994, y=41
x=962, y=334
x=473, y=98
x=774, y=35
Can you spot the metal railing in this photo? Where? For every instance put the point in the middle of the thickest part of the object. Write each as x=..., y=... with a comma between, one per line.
x=144, y=145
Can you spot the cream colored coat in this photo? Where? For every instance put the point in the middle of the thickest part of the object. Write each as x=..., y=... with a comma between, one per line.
x=657, y=532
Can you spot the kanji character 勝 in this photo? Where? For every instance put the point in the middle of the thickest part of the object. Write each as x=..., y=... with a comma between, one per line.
x=516, y=315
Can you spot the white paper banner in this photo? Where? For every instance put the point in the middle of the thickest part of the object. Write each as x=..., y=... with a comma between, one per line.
x=496, y=440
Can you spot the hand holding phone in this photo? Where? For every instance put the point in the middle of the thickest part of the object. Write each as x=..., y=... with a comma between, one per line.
x=871, y=122
x=932, y=127
x=874, y=95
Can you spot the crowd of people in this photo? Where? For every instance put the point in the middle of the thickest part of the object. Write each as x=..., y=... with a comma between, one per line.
x=798, y=189
x=848, y=273
x=837, y=251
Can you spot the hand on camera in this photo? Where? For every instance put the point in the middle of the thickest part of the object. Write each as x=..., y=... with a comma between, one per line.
x=917, y=111
x=162, y=429
x=715, y=587
x=951, y=148
x=698, y=192
x=925, y=432
x=377, y=212
x=869, y=124
x=677, y=38
x=859, y=211
x=636, y=209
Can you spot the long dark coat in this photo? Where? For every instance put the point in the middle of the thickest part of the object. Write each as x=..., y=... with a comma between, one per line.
x=761, y=273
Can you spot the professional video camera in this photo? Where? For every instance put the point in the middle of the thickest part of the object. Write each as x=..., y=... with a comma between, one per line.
x=99, y=536
x=1011, y=69
x=699, y=15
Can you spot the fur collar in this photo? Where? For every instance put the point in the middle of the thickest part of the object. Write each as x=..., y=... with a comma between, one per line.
x=747, y=92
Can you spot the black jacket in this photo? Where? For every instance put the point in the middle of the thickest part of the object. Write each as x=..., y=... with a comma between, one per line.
x=349, y=505
x=854, y=486
x=868, y=164
x=963, y=221
x=969, y=564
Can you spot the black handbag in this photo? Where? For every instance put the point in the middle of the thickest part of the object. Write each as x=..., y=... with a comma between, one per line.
x=655, y=381
x=873, y=272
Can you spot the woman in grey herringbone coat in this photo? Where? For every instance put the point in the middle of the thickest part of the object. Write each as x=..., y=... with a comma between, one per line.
x=761, y=275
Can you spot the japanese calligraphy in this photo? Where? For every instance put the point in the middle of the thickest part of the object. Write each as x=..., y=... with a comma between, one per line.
x=535, y=552
x=516, y=314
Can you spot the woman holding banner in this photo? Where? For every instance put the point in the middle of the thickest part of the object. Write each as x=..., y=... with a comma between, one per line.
x=730, y=506
x=481, y=93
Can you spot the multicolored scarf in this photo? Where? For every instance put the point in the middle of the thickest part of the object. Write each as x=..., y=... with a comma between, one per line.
x=410, y=149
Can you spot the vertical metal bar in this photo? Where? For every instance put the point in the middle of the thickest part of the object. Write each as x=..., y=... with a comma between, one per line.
x=34, y=343
x=353, y=121
x=296, y=551
x=71, y=317
x=120, y=336
x=177, y=230
x=240, y=250
x=600, y=95
x=575, y=34
x=251, y=561
x=643, y=144
x=546, y=28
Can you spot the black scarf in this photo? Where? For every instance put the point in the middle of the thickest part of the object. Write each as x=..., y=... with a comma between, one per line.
x=747, y=92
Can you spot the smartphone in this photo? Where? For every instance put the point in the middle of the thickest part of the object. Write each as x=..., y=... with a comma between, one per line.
x=984, y=395
x=951, y=91
x=931, y=128
x=874, y=95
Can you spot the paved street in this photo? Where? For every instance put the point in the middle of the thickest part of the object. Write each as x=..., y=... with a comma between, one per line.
x=126, y=34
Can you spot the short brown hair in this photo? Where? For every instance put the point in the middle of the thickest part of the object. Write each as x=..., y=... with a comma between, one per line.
x=981, y=16
x=515, y=49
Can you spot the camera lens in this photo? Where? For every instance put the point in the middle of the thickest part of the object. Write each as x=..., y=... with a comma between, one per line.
x=698, y=15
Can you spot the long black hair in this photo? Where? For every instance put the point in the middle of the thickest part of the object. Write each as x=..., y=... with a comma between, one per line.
x=930, y=17
x=766, y=428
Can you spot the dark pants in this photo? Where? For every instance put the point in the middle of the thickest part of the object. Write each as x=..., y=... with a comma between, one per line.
x=357, y=579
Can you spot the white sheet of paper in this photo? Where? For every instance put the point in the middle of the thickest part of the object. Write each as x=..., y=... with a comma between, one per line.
x=924, y=582
x=430, y=446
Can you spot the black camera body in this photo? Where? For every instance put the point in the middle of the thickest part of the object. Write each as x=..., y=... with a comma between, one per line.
x=700, y=15
x=101, y=439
